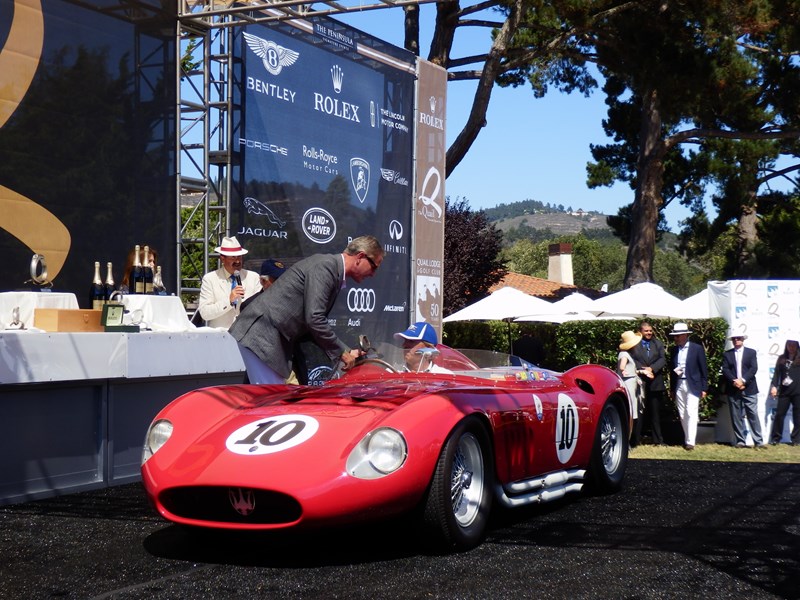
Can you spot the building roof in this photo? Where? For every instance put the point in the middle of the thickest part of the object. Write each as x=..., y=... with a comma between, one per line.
x=542, y=288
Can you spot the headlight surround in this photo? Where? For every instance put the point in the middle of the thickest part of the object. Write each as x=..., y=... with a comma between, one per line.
x=157, y=435
x=380, y=453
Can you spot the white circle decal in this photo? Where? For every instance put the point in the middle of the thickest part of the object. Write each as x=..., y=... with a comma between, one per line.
x=567, y=424
x=272, y=434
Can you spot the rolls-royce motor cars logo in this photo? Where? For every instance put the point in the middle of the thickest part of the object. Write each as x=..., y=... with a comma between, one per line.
x=319, y=225
x=361, y=299
x=359, y=175
x=274, y=57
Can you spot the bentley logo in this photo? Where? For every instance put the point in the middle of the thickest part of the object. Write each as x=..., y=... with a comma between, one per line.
x=273, y=56
x=359, y=175
x=337, y=75
x=243, y=501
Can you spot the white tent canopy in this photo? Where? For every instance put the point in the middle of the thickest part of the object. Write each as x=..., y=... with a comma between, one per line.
x=505, y=303
x=697, y=306
x=640, y=300
x=574, y=303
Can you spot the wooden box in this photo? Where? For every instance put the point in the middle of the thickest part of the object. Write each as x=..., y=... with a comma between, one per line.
x=67, y=319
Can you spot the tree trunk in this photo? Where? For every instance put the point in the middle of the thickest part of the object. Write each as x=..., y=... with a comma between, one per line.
x=647, y=200
x=411, y=26
x=491, y=69
x=444, y=32
x=747, y=235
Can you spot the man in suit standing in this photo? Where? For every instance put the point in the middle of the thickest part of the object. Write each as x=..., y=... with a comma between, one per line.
x=689, y=381
x=297, y=305
x=222, y=291
x=650, y=361
x=739, y=367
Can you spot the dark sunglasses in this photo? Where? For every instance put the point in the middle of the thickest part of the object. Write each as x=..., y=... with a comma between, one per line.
x=371, y=262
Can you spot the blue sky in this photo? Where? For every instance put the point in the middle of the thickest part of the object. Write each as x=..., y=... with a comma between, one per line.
x=530, y=148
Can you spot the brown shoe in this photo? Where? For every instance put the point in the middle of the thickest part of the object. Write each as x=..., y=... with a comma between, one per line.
x=688, y=447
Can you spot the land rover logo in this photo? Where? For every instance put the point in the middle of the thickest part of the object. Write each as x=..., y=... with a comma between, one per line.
x=319, y=226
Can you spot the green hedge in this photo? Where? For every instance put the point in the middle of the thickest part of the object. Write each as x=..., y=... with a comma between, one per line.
x=577, y=342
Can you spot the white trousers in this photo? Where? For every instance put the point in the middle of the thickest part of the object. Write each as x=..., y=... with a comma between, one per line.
x=257, y=371
x=688, y=410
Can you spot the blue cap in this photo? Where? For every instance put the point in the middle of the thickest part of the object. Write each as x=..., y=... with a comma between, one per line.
x=272, y=268
x=419, y=332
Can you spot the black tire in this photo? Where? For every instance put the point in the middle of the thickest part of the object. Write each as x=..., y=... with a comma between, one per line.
x=459, y=498
x=610, y=451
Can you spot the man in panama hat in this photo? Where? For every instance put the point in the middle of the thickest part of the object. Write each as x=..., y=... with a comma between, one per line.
x=689, y=380
x=223, y=291
x=739, y=368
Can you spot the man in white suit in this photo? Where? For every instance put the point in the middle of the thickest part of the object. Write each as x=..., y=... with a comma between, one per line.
x=221, y=293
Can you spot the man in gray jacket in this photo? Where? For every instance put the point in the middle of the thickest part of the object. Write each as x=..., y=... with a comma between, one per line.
x=297, y=305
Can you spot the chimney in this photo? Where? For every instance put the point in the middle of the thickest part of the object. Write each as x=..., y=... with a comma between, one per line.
x=559, y=266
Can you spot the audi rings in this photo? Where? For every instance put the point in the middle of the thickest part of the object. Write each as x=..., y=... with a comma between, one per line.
x=361, y=300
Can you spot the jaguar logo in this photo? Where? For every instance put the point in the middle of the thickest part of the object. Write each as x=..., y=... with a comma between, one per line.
x=361, y=300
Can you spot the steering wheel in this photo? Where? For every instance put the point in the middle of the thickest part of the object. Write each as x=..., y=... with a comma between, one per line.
x=378, y=362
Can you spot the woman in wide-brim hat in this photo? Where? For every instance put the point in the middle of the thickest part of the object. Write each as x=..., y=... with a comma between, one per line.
x=626, y=369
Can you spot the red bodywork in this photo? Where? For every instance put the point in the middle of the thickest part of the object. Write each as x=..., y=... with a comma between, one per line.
x=539, y=422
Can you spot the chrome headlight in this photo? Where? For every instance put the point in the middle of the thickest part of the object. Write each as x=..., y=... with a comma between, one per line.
x=380, y=453
x=158, y=434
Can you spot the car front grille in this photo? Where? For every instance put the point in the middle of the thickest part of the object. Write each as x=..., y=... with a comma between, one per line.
x=219, y=504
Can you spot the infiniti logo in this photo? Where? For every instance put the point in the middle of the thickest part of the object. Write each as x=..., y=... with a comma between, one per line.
x=395, y=230
x=361, y=300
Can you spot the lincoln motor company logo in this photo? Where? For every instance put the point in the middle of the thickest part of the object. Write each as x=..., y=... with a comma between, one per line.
x=274, y=56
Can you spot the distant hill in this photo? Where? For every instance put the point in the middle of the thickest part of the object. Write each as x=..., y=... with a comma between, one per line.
x=558, y=223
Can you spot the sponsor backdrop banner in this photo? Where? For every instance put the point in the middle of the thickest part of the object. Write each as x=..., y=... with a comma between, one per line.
x=87, y=136
x=429, y=206
x=767, y=312
x=323, y=148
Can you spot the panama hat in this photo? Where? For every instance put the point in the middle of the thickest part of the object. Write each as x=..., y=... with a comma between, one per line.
x=737, y=335
x=679, y=329
x=230, y=247
x=629, y=340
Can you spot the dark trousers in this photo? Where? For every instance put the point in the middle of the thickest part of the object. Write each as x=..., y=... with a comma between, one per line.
x=738, y=403
x=650, y=417
x=784, y=402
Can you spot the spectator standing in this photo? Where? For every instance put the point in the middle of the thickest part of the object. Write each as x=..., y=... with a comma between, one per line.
x=221, y=293
x=786, y=386
x=650, y=359
x=296, y=305
x=626, y=369
x=739, y=367
x=689, y=381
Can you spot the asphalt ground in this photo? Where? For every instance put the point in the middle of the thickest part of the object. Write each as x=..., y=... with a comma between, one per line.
x=679, y=529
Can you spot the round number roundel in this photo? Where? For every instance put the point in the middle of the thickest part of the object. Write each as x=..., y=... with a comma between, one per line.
x=567, y=424
x=272, y=434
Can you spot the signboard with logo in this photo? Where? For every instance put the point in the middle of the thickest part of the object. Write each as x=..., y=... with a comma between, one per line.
x=323, y=153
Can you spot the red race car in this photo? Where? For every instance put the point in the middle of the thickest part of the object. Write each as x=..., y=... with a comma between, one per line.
x=381, y=441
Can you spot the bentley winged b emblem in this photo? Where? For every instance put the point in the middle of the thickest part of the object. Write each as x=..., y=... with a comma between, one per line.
x=273, y=56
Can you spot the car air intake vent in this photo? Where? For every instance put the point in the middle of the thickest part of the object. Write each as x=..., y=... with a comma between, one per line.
x=585, y=386
x=231, y=505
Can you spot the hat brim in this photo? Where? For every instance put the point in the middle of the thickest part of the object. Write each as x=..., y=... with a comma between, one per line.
x=222, y=252
x=687, y=332
x=632, y=343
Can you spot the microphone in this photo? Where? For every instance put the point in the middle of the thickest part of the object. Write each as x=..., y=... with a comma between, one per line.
x=237, y=277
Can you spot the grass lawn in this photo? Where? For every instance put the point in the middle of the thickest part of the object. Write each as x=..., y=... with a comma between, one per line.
x=780, y=453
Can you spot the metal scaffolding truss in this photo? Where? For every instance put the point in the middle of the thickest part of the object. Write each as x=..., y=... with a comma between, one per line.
x=205, y=31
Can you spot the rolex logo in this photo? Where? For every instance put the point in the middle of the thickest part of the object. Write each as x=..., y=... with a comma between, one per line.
x=432, y=101
x=337, y=75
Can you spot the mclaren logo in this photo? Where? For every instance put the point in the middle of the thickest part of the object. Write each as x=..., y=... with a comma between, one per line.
x=273, y=56
x=361, y=300
x=243, y=501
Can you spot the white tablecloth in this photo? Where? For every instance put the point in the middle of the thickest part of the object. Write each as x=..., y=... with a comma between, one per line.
x=27, y=301
x=158, y=313
x=35, y=356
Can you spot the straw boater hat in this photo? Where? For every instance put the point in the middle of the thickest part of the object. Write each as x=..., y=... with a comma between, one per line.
x=629, y=340
x=230, y=247
x=679, y=329
x=737, y=335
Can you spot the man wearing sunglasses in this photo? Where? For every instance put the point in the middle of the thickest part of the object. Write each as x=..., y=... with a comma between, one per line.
x=297, y=305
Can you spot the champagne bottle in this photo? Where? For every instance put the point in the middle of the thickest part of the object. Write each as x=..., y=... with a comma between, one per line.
x=109, y=285
x=137, y=274
x=97, y=293
x=158, y=283
x=148, y=272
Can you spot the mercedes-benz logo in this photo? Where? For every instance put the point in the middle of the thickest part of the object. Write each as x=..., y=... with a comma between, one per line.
x=395, y=230
x=361, y=300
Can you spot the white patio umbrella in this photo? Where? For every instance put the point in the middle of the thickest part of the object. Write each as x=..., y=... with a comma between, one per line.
x=562, y=317
x=574, y=303
x=697, y=306
x=640, y=300
x=504, y=304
